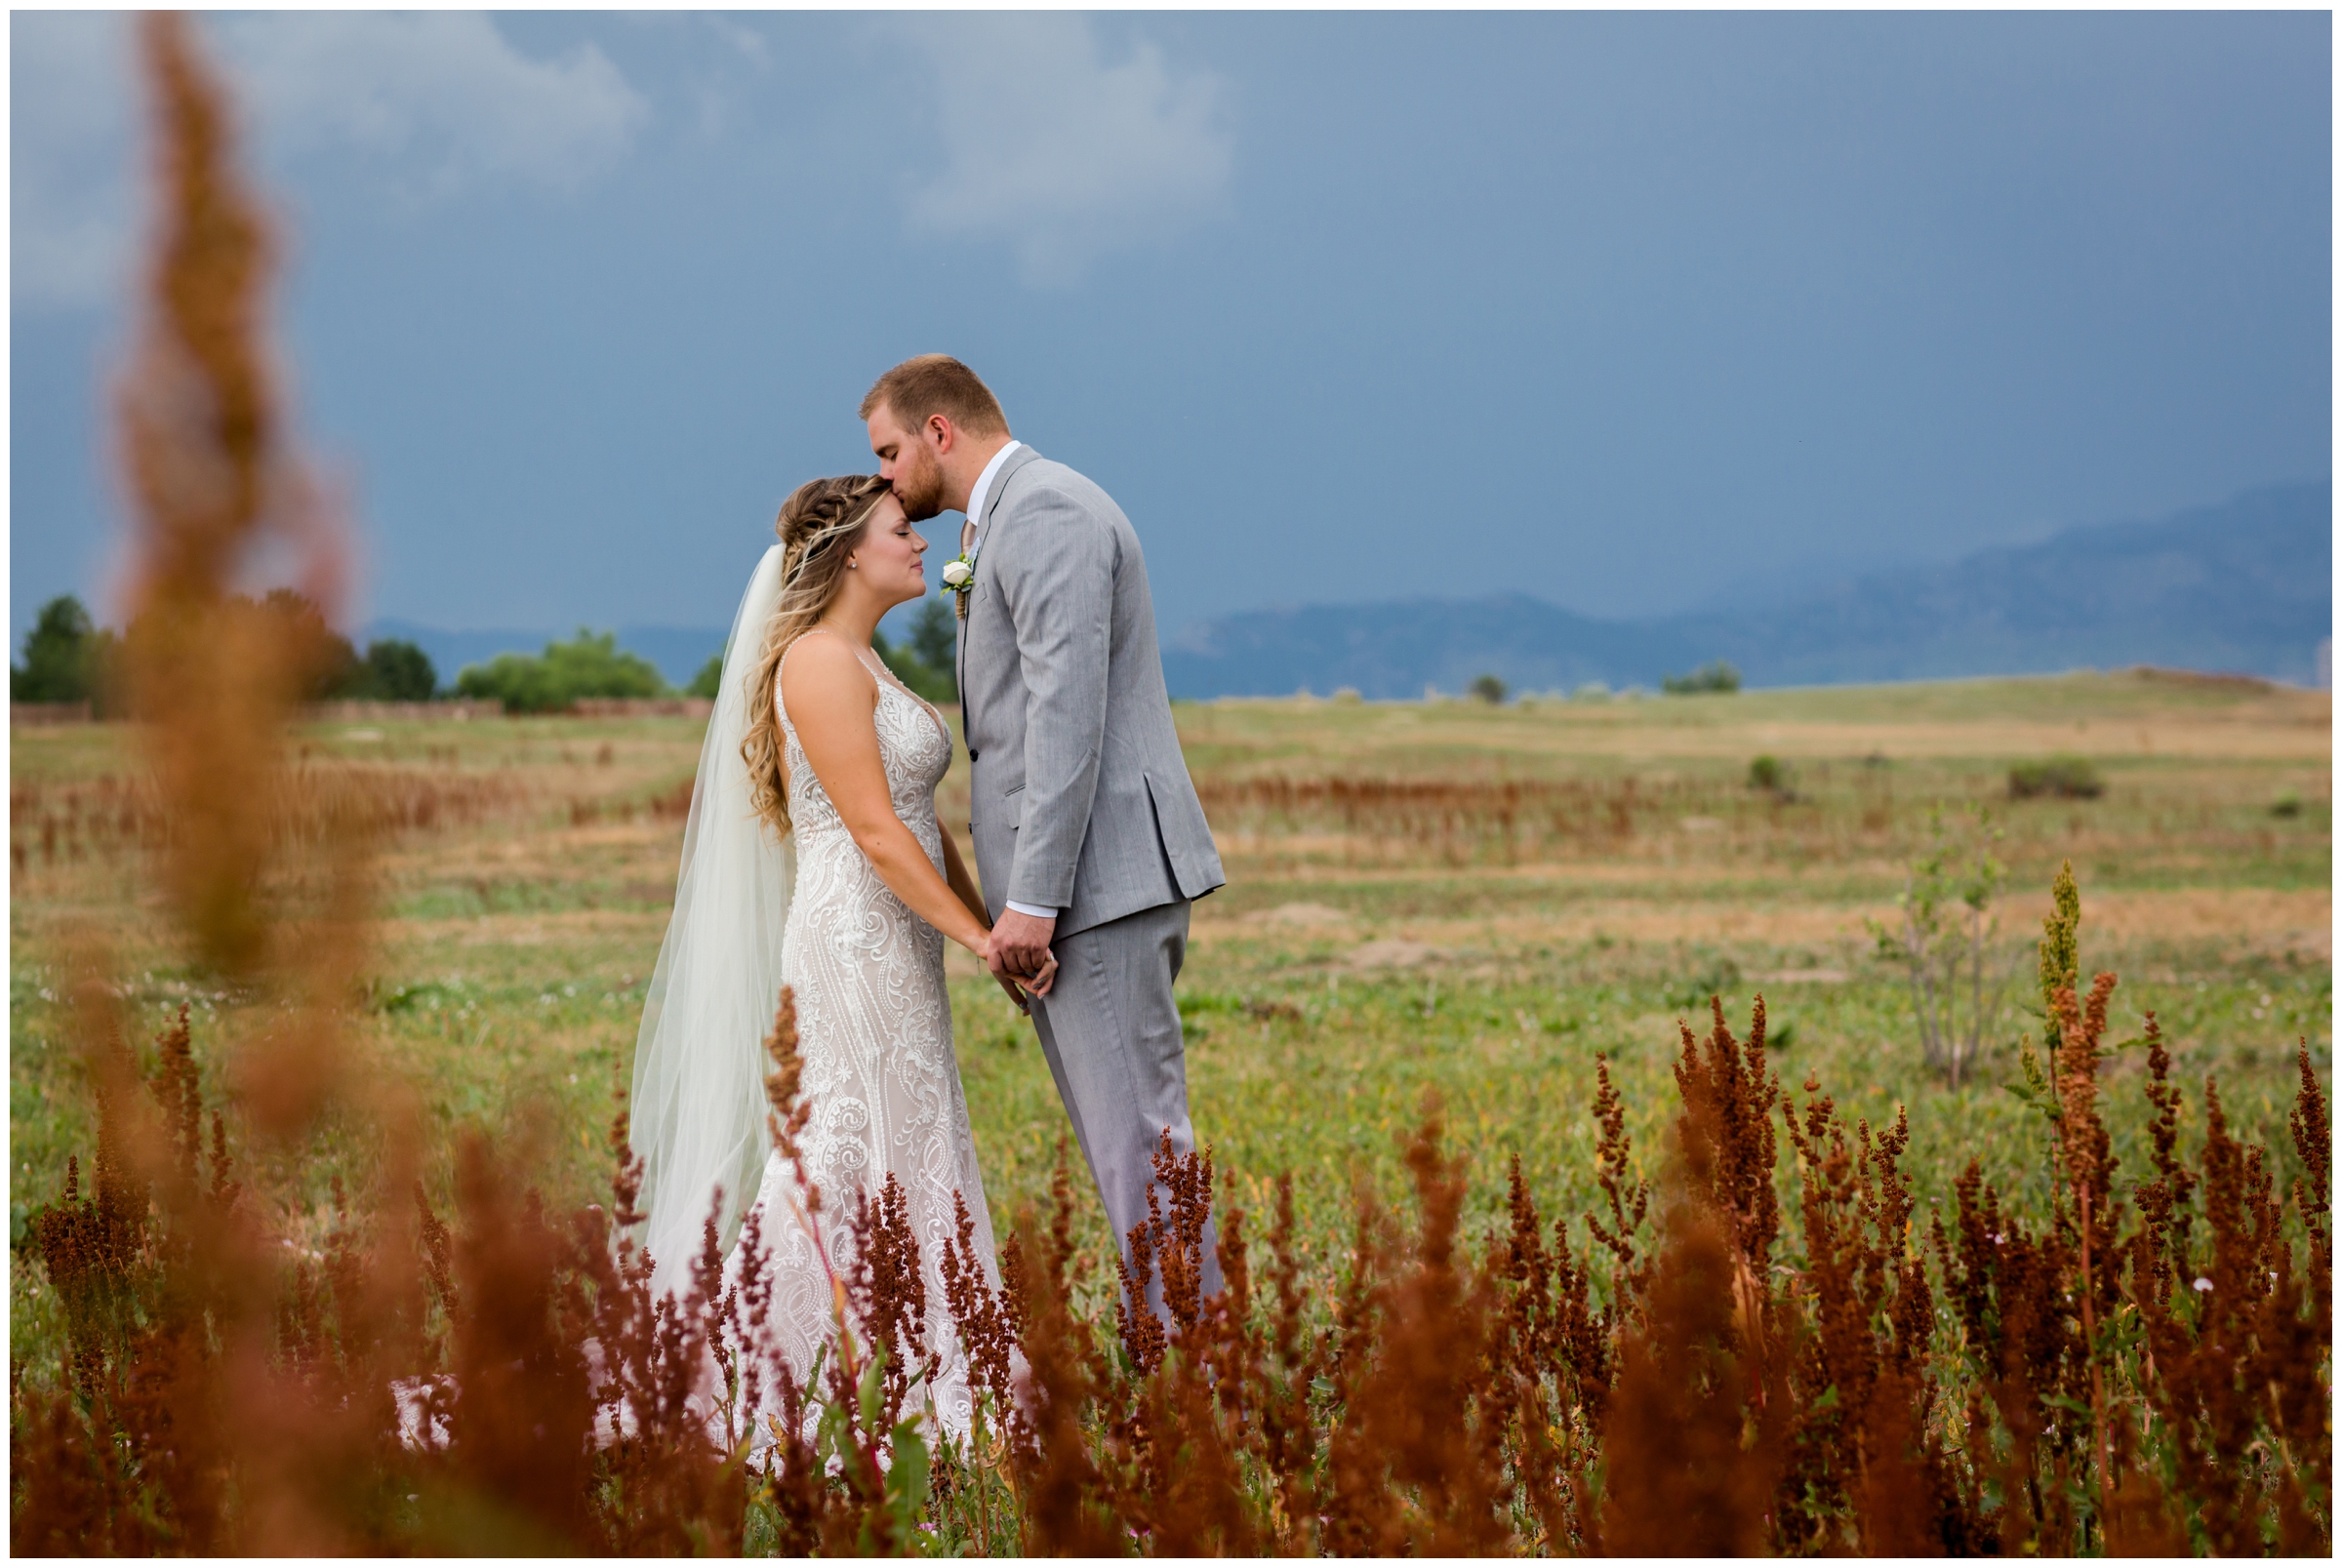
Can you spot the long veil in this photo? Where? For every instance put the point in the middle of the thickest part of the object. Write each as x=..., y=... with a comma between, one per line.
x=698, y=1108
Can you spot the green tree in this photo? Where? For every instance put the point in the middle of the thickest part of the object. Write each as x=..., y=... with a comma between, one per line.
x=397, y=671
x=1488, y=688
x=332, y=665
x=587, y=666
x=58, y=656
x=924, y=659
x=935, y=635
x=709, y=679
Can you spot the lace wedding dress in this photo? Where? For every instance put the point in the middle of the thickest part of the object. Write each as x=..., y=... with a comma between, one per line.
x=874, y=1028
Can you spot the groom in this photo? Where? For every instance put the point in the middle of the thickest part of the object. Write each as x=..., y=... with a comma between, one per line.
x=1089, y=839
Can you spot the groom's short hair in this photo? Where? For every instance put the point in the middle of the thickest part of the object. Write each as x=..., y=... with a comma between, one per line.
x=936, y=383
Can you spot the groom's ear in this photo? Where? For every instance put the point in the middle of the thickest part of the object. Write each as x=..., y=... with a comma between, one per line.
x=941, y=433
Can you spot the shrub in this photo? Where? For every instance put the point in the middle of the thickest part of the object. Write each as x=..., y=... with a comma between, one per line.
x=1718, y=676
x=1943, y=941
x=2061, y=778
x=1487, y=688
x=1767, y=774
x=2287, y=804
x=587, y=666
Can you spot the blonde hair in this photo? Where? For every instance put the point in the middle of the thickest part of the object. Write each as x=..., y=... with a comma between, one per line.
x=819, y=524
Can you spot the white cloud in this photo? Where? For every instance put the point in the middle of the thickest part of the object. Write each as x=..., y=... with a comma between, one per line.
x=69, y=145
x=436, y=103
x=1057, y=152
x=443, y=94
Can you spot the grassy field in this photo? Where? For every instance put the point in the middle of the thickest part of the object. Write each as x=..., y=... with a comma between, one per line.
x=1451, y=896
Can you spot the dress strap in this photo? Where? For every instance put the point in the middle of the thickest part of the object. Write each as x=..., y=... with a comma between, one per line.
x=870, y=661
x=880, y=673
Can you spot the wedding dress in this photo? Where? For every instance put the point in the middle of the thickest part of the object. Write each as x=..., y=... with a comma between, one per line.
x=753, y=913
x=874, y=1028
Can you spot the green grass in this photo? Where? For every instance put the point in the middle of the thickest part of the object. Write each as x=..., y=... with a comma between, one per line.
x=508, y=968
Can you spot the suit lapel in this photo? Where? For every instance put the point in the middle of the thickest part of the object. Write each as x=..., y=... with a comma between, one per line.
x=985, y=539
x=992, y=502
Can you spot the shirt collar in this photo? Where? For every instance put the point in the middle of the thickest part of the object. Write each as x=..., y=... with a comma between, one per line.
x=981, y=490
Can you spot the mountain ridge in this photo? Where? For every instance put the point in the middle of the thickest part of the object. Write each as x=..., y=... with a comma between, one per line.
x=2241, y=586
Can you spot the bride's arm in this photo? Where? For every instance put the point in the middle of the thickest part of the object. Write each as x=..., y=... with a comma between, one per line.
x=956, y=872
x=831, y=700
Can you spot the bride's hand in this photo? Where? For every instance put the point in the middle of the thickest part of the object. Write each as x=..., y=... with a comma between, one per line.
x=1008, y=984
x=1039, y=983
x=1017, y=986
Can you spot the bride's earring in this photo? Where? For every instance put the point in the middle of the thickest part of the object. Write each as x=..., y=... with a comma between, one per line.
x=849, y=563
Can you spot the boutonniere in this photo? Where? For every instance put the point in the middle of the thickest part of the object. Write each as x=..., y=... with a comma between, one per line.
x=958, y=577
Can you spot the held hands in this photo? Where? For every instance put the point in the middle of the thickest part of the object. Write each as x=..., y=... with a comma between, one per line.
x=1017, y=952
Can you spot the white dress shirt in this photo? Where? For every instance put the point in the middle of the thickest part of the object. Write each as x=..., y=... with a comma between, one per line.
x=978, y=495
x=982, y=491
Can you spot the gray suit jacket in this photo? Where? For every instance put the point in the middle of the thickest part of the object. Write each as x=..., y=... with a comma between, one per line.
x=1080, y=800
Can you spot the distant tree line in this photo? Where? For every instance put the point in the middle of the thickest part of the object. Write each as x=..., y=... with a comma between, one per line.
x=68, y=658
x=1716, y=677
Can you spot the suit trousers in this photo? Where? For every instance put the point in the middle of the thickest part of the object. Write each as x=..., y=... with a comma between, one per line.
x=1110, y=1031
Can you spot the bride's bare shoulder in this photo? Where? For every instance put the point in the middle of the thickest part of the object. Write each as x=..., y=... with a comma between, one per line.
x=821, y=670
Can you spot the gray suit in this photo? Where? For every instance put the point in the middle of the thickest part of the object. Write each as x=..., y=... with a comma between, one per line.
x=1081, y=802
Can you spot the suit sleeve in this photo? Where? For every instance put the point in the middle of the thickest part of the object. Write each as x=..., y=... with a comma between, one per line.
x=1059, y=595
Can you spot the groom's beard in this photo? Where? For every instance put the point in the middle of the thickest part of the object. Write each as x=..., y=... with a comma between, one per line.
x=918, y=484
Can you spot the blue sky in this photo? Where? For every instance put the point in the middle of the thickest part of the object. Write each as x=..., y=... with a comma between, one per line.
x=1633, y=311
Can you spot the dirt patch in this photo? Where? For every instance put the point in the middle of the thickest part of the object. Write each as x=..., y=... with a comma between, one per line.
x=2262, y=920
x=1302, y=916
x=2300, y=919
x=1394, y=952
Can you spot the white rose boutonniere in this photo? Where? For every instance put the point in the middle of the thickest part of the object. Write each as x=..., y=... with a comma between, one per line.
x=958, y=575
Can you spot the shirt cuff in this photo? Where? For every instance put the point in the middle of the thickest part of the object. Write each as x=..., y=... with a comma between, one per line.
x=1027, y=909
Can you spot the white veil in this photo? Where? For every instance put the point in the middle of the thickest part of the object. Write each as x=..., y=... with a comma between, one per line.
x=698, y=1107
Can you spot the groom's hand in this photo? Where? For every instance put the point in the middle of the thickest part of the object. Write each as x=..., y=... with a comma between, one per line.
x=1020, y=947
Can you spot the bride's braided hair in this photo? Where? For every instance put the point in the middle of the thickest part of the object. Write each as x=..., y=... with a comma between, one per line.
x=819, y=524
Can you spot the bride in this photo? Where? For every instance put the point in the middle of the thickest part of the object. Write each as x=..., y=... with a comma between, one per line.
x=813, y=860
